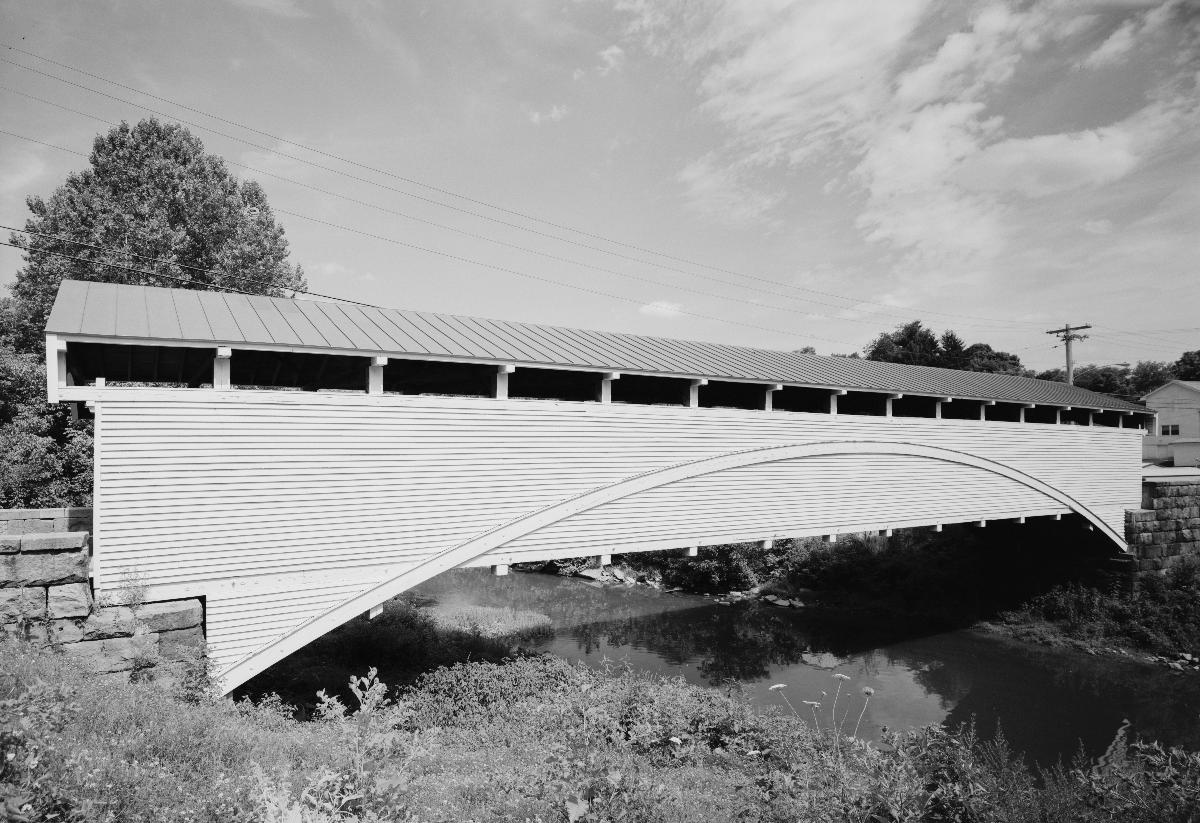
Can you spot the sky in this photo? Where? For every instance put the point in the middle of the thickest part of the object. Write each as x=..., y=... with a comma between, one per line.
x=753, y=172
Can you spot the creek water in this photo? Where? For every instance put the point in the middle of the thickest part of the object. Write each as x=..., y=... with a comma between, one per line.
x=1047, y=702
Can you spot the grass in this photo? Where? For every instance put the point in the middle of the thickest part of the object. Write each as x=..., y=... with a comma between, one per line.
x=1162, y=616
x=529, y=739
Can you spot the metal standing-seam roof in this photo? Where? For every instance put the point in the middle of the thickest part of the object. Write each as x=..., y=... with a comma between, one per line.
x=109, y=312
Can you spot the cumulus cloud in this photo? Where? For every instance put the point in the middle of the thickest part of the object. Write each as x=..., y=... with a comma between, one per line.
x=554, y=115
x=719, y=191
x=661, y=308
x=612, y=59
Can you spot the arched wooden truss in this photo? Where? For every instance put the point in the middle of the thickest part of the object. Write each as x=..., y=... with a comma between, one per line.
x=494, y=541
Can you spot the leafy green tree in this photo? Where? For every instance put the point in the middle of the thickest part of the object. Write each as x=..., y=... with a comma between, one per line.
x=982, y=357
x=1057, y=375
x=1148, y=375
x=45, y=455
x=1112, y=380
x=910, y=343
x=1187, y=367
x=954, y=351
x=150, y=193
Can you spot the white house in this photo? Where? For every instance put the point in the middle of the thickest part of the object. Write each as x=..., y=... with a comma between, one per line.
x=1176, y=437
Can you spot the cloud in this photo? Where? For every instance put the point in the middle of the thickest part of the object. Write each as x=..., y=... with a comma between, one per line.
x=19, y=171
x=1051, y=163
x=554, y=115
x=1129, y=34
x=719, y=191
x=612, y=59
x=279, y=8
x=661, y=308
x=1098, y=227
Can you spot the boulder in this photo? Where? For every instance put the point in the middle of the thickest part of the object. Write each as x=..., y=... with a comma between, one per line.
x=54, y=542
x=18, y=570
x=69, y=600
x=170, y=615
x=110, y=621
x=22, y=604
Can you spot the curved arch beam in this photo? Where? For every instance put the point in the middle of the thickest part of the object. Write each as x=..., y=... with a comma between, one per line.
x=493, y=539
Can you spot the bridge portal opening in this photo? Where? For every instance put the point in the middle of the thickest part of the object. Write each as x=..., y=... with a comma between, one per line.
x=161, y=366
x=721, y=395
x=295, y=370
x=650, y=391
x=432, y=377
x=802, y=399
x=914, y=406
x=871, y=404
x=554, y=384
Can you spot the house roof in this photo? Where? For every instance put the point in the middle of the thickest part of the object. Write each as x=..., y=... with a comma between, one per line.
x=1194, y=385
x=116, y=313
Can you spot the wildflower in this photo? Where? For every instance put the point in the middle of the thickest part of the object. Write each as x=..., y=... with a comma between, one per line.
x=777, y=687
x=816, y=704
x=676, y=741
x=868, y=691
x=840, y=676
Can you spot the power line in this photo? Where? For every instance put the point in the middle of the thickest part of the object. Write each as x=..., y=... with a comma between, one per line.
x=375, y=170
x=485, y=238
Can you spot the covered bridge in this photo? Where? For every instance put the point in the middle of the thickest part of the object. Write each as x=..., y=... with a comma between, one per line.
x=296, y=463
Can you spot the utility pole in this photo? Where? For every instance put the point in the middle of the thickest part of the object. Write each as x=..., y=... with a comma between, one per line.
x=1068, y=334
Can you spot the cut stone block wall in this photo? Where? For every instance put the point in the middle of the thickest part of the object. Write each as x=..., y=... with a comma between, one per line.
x=1166, y=530
x=46, y=597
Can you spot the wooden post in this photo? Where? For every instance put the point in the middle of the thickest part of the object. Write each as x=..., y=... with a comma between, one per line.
x=1025, y=406
x=221, y=367
x=1021, y=521
x=769, y=397
x=691, y=551
x=1091, y=417
x=767, y=544
x=500, y=569
x=938, y=527
x=831, y=538
x=937, y=407
x=502, y=373
x=694, y=392
x=606, y=382
x=983, y=408
x=887, y=404
x=375, y=612
x=56, y=366
x=375, y=375
x=1058, y=416
x=833, y=403
x=606, y=560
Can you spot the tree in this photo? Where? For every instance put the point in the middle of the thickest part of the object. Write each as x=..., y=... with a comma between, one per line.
x=150, y=194
x=910, y=343
x=1148, y=375
x=954, y=351
x=1112, y=380
x=1187, y=367
x=982, y=357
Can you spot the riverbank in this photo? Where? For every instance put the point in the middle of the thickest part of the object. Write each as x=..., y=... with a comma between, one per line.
x=535, y=739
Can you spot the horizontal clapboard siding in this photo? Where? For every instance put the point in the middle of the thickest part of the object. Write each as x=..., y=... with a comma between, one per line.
x=277, y=506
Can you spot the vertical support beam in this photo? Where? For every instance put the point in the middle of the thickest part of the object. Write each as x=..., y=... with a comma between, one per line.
x=887, y=404
x=221, y=368
x=1021, y=521
x=1058, y=416
x=605, y=560
x=983, y=406
x=691, y=551
x=374, y=612
x=937, y=406
x=831, y=538
x=1021, y=418
x=766, y=544
x=694, y=392
x=833, y=402
x=938, y=527
x=56, y=366
x=1092, y=417
x=606, y=381
x=91, y=404
x=502, y=373
x=769, y=396
x=500, y=569
x=375, y=375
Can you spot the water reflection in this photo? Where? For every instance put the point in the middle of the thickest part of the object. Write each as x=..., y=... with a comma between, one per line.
x=1046, y=701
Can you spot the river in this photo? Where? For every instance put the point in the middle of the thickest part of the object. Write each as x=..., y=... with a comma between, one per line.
x=1047, y=701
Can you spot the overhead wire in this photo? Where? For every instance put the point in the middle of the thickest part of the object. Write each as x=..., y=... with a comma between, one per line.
x=563, y=227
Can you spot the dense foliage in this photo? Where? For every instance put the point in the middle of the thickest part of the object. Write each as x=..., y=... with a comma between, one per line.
x=45, y=455
x=151, y=200
x=916, y=345
x=1163, y=616
x=535, y=739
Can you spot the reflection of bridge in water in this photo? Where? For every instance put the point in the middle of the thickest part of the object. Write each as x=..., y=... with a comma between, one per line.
x=298, y=463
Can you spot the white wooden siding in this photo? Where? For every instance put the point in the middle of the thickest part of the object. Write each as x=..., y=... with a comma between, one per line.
x=277, y=506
